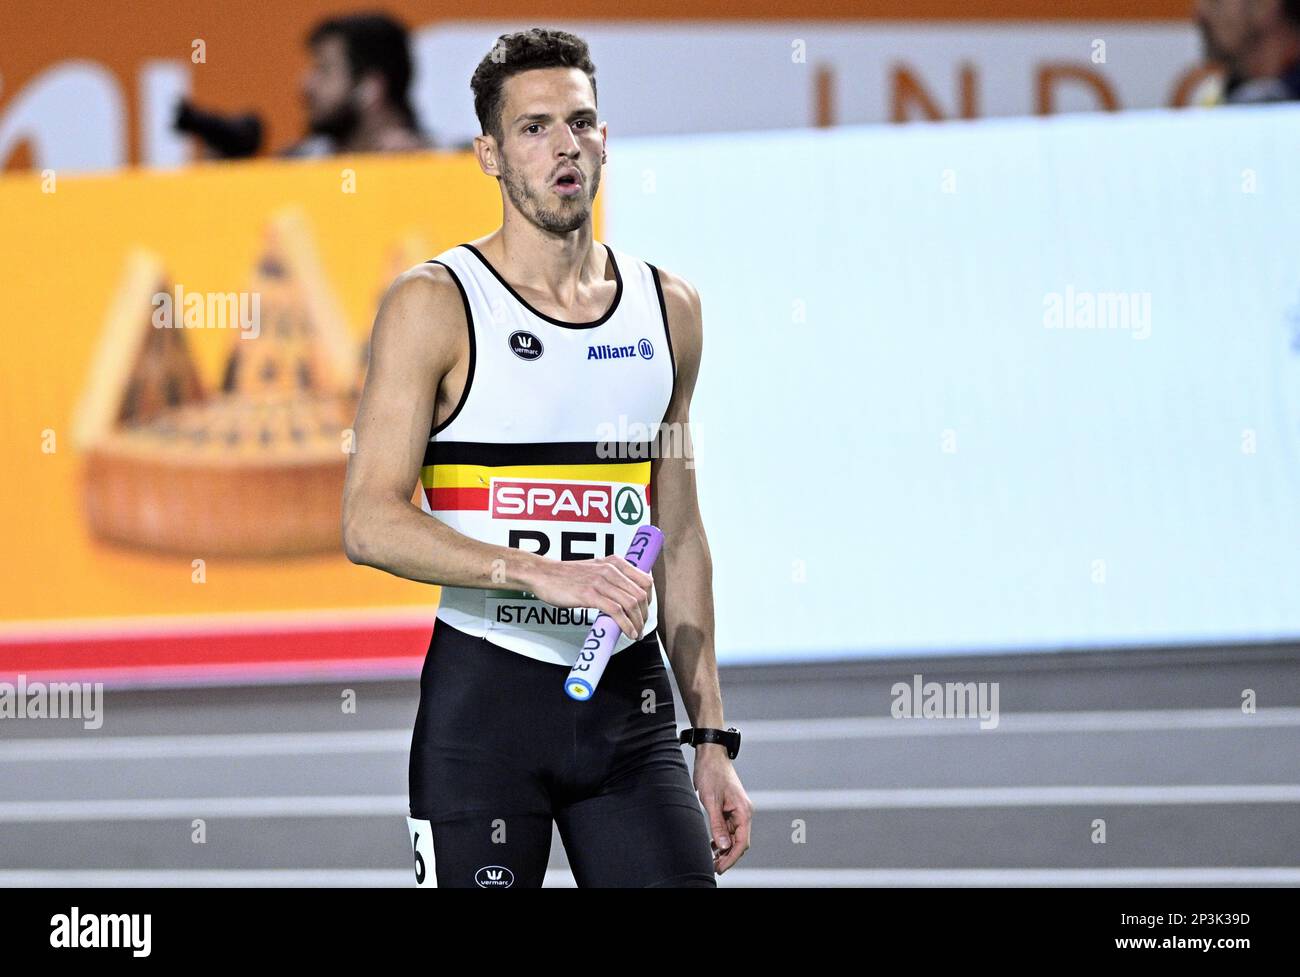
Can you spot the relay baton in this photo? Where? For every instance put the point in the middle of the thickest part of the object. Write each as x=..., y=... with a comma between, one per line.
x=604, y=634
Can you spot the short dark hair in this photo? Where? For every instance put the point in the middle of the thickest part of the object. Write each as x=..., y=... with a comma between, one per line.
x=537, y=47
x=375, y=43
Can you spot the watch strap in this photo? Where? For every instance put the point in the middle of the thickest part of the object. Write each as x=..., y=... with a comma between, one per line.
x=730, y=738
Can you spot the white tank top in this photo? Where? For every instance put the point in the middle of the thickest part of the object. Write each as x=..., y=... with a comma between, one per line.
x=548, y=449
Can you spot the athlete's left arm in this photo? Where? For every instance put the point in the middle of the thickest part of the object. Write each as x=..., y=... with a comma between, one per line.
x=683, y=578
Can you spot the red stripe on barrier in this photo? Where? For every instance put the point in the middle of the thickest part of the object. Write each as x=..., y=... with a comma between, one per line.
x=258, y=650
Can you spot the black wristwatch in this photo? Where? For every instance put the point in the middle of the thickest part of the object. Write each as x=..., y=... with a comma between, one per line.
x=729, y=737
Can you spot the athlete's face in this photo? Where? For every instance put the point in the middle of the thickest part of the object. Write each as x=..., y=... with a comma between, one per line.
x=550, y=129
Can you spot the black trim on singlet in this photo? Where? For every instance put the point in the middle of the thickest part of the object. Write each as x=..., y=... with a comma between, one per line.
x=469, y=375
x=495, y=455
x=618, y=292
x=668, y=333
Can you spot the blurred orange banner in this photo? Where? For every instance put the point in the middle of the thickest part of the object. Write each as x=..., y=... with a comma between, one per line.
x=183, y=356
x=116, y=68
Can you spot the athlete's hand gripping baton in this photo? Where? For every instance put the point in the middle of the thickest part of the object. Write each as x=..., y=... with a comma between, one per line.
x=604, y=634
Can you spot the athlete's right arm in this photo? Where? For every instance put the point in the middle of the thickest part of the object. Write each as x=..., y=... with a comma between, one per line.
x=416, y=341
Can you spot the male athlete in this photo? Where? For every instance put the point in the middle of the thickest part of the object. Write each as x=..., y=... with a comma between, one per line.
x=505, y=375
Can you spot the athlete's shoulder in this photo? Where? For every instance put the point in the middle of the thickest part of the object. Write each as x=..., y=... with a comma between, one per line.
x=681, y=297
x=682, y=305
x=423, y=313
x=428, y=286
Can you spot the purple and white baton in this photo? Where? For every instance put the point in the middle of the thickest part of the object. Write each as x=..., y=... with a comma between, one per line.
x=604, y=634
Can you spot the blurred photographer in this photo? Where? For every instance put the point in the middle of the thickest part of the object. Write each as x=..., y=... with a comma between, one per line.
x=356, y=94
x=357, y=89
x=1257, y=42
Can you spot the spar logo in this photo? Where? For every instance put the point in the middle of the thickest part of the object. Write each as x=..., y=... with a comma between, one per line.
x=494, y=877
x=557, y=501
x=627, y=506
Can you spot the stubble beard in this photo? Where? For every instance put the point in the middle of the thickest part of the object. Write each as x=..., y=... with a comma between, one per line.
x=558, y=219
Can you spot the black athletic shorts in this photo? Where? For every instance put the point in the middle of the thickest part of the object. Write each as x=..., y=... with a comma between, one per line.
x=500, y=751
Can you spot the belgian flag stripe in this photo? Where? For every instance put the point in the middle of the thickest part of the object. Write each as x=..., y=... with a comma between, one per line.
x=494, y=454
x=465, y=487
x=480, y=476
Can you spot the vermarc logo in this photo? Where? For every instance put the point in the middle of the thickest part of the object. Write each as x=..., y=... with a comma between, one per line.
x=525, y=345
x=494, y=877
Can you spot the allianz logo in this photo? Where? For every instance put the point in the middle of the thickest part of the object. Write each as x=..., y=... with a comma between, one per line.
x=643, y=348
